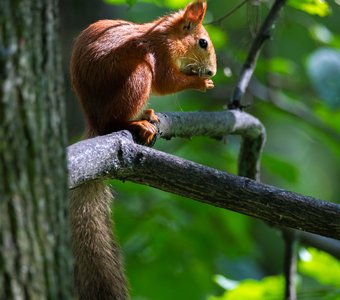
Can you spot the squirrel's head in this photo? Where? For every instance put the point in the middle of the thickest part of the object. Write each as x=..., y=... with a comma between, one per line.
x=193, y=51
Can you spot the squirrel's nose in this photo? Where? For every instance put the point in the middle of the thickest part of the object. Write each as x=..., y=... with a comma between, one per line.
x=210, y=73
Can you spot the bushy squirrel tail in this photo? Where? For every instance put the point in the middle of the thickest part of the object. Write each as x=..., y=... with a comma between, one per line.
x=99, y=273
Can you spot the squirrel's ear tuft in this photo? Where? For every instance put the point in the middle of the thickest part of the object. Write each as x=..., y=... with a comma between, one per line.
x=194, y=14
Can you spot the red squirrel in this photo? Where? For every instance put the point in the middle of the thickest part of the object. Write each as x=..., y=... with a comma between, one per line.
x=115, y=66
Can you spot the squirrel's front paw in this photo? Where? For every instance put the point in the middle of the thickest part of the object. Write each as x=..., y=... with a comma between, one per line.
x=209, y=84
x=206, y=83
x=144, y=130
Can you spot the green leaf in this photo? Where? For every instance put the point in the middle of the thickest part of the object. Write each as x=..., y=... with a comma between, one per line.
x=280, y=167
x=282, y=66
x=218, y=37
x=116, y=2
x=313, y=7
x=173, y=4
x=131, y=2
x=176, y=4
x=268, y=288
x=320, y=265
x=321, y=33
x=329, y=116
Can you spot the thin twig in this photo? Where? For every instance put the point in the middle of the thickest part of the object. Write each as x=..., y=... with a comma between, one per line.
x=250, y=63
x=228, y=14
x=289, y=267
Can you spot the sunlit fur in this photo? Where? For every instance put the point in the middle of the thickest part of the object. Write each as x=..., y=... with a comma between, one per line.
x=116, y=64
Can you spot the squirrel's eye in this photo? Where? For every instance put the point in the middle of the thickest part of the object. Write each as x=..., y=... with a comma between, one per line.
x=203, y=43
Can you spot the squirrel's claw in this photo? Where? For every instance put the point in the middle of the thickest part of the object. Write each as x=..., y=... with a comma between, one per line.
x=149, y=115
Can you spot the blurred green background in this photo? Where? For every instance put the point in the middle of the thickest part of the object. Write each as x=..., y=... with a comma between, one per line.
x=176, y=248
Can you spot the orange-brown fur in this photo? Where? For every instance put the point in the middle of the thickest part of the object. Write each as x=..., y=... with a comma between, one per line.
x=115, y=66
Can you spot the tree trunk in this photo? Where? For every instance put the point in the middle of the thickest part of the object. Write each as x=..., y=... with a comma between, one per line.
x=34, y=237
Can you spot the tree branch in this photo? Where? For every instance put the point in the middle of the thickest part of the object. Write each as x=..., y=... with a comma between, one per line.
x=250, y=63
x=117, y=156
x=217, y=125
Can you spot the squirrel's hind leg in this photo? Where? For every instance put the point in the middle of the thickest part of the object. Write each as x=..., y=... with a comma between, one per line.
x=138, y=121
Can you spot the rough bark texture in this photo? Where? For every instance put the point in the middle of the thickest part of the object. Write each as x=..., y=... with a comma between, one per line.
x=217, y=125
x=116, y=156
x=34, y=239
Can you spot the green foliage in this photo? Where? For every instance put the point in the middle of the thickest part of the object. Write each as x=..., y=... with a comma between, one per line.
x=174, y=246
x=320, y=266
x=182, y=244
x=317, y=7
x=218, y=36
x=117, y=2
x=328, y=115
x=171, y=238
x=318, y=278
x=173, y=4
x=313, y=7
x=280, y=167
x=269, y=288
x=282, y=66
x=321, y=34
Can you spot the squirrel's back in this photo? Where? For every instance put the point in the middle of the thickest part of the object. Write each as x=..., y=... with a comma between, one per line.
x=104, y=59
